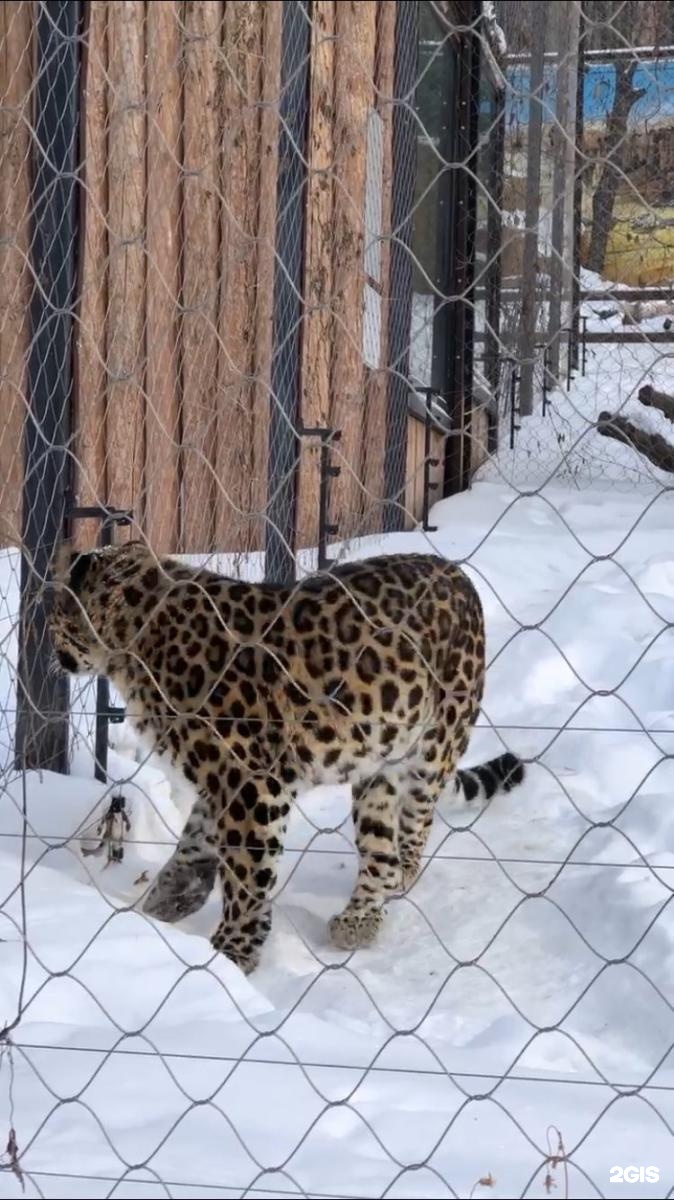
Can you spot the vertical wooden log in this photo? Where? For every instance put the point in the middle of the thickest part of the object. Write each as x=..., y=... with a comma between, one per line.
x=15, y=100
x=374, y=409
x=201, y=257
x=126, y=217
x=89, y=418
x=266, y=249
x=412, y=470
x=318, y=321
x=354, y=66
x=241, y=81
x=164, y=149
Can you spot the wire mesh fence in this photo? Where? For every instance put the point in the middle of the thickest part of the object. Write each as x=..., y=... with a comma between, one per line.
x=587, y=189
x=286, y=287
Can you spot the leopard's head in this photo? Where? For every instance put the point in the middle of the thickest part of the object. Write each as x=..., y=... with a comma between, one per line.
x=84, y=619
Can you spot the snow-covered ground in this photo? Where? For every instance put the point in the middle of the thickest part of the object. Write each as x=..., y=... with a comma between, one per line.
x=525, y=986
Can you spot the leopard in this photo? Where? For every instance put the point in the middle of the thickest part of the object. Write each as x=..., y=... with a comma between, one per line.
x=367, y=673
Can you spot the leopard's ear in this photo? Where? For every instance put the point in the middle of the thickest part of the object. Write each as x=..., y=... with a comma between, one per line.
x=70, y=567
x=80, y=565
x=60, y=564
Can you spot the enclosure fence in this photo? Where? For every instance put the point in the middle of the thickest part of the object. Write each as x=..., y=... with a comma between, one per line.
x=284, y=285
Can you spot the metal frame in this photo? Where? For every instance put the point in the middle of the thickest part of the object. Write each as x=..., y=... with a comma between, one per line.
x=460, y=341
x=448, y=190
x=619, y=292
x=494, y=272
x=288, y=292
x=632, y=337
x=42, y=696
x=606, y=55
x=403, y=170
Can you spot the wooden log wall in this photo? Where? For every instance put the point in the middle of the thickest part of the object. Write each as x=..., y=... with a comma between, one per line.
x=175, y=337
x=344, y=376
x=15, y=91
x=173, y=343
x=189, y=396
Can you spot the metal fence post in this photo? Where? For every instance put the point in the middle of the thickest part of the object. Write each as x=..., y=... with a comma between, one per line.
x=42, y=697
x=461, y=308
x=288, y=289
x=105, y=713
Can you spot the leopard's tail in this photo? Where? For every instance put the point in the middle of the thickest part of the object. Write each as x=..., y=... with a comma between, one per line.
x=499, y=774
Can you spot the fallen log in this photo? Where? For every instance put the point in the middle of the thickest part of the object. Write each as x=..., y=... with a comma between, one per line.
x=661, y=400
x=653, y=446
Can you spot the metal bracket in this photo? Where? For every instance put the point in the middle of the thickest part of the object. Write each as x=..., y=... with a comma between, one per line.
x=106, y=713
x=100, y=512
x=327, y=437
x=583, y=346
x=429, y=461
x=547, y=376
x=514, y=408
x=114, y=715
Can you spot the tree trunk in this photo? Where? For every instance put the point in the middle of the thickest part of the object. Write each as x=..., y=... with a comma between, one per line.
x=603, y=200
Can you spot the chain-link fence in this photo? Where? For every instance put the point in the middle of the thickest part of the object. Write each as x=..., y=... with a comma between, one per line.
x=586, y=246
x=286, y=286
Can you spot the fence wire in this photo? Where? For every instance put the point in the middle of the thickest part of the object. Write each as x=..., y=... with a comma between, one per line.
x=285, y=286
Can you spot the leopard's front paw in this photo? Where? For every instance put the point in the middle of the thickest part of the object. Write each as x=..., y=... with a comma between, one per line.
x=180, y=889
x=355, y=927
x=241, y=949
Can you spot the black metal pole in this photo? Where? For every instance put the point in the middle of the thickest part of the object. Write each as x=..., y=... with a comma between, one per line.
x=470, y=210
x=288, y=289
x=404, y=158
x=429, y=461
x=105, y=712
x=549, y=379
x=495, y=267
x=458, y=445
x=512, y=407
x=328, y=472
x=102, y=696
x=42, y=697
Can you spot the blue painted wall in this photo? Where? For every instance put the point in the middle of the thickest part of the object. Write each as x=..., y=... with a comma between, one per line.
x=598, y=93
